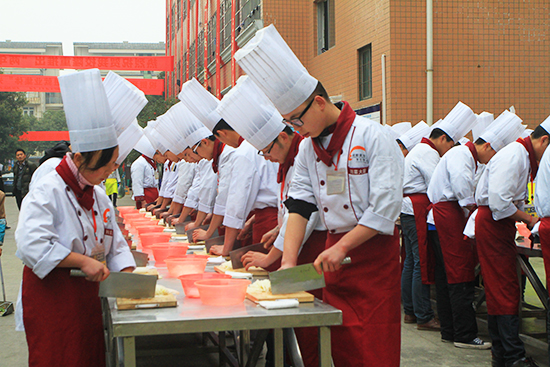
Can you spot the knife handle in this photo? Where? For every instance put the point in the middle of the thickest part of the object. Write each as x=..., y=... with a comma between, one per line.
x=347, y=260
x=80, y=273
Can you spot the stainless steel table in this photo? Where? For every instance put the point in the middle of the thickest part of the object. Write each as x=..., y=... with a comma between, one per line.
x=191, y=316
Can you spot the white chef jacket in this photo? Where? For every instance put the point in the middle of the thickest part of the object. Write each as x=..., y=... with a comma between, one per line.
x=143, y=177
x=225, y=166
x=419, y=166
x=207, y=192
x=192, y=200
x=454, y=177
x=61, y=226
x=186, y=173
x=169, y=180
x=542, y=186
x=253, y=185
x=42, y=170
x=373, y=187
x=503, y=185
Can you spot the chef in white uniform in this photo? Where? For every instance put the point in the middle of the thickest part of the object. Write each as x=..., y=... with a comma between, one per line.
x=410, y=138
x=73, y=226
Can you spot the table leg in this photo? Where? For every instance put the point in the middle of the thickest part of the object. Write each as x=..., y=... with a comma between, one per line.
x=279, y=350
x=293, y=348
x=129, y=345
x=325, y=358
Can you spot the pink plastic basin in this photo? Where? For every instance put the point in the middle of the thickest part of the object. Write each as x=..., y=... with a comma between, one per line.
x=222, y=292
x=179, y=267
x=188, y=282
x=163, y=250
x=148, y=239
x=150, y=228
x=178, y=249
x=190, y=256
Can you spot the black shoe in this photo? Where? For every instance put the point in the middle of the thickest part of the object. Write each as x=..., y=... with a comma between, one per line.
x=525, y=362
x=497, y=362
x=8, y=227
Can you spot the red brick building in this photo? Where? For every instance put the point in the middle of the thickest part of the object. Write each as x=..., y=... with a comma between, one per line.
x=489, y=54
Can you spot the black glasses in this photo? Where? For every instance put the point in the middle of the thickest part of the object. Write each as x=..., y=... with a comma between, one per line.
x=298, y=120
x=194, y=149
x=269, y=150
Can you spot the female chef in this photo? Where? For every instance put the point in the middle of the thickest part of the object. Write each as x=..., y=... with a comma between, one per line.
x=67, y=222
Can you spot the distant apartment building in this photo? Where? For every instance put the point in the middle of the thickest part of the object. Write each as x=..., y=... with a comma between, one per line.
x=122, y=49
x=490, y=55
x=38, y=102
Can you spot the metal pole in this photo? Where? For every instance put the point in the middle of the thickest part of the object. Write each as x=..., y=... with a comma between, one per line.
x=205, y=22
x=188, y=39
x=233, y=45
x=429, y=63
x=166, y=53
x=170, y=48
x=218, y=59
x=181, y=43
x=196, y=38
x=384, y=108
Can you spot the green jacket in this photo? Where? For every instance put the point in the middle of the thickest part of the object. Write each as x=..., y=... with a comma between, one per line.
x=28, y=170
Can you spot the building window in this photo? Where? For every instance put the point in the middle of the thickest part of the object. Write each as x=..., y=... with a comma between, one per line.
x=28, y=111
x=365, y=72
x=325, y=25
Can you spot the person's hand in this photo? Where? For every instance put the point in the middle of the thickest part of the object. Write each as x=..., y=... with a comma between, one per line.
x=253, y=258
x=287, y=265
x=207, y=219
x=200, y=235
x=96, y=271
x=532, y=223
x=246, y=232
x=330, y=259
x=269, y=237
x=217, y=250
x=190, y=226
x=144, y=204
x=150, y=207
x=165, y=215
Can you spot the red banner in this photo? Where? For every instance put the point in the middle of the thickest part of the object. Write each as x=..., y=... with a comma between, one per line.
x=40, y=83
x=45, y=136
x=141, y=63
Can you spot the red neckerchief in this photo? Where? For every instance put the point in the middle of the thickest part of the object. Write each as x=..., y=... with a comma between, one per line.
x=473, y=150
x=532, y=157
x=85, y=197
x=150, y=161
x=430, y=143
x=169, y=165
x=218, y=149
x=289, y=160
x=340, y=130
x=241, y=139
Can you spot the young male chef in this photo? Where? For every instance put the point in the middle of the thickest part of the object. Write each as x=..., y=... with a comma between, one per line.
x=410, y=138
x=342, y=171
x=145, y=175
x=451, y=191
x=418, y=270
x=500, y=197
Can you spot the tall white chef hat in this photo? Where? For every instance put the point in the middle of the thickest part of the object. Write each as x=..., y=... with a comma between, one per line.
x=392, y=132
x=526, y=133
x=157, y=140
x=87, y=110
x=272, y=65
x=463, y=141
x=484, y=119
x=200, y=102
x=546, y=124
x=128, y=139
x=413, y=136
x=125, y=99
x=167, y=133
x=401, y=128
x=505, y=129
x=145, y=147
x=458, y=122
x=187, y=125
x=248, y=110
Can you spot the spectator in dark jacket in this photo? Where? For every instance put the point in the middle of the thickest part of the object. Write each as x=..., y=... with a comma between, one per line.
x=22, y=173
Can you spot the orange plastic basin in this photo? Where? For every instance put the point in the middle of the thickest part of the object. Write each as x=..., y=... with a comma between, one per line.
x=188, y=282
x=179, y=267
x=222, y=292
x=150, y=228
x=148, y=239
x=163, y=250
x=189, y=256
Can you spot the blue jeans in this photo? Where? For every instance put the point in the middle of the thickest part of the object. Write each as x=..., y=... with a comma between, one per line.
x=414, y=295
x=2, y=230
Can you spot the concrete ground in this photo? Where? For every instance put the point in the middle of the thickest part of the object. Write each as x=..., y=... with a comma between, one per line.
x=419, y=348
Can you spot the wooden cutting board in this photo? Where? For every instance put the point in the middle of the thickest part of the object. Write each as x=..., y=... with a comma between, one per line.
x=254, y=271
x=155, y=302
x=302, y=297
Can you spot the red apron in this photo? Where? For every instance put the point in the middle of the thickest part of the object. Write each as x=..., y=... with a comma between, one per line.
x=421, y=207
x=544, y=234
x=497, y=253
x=368, y=292
x=266, y=220
x=63, y=320
x=151, y=194
x=458, y=251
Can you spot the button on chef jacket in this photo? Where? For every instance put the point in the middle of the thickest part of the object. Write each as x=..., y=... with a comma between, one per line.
x=454, y=178
x=420, y=164
x=373, y=165
x=143, y=177
x=253, y=185
x=225, y=167
x=503, y=185
x=192, y=200
x=186, y=173
x=169, y=180
x=542, y=186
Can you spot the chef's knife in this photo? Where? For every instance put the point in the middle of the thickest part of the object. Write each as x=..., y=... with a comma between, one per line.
x=190, y=232
x=124, y=285
x=141, y=258
x=298, y=278
x=219, y=240
x=180, y=227
x=236, y=255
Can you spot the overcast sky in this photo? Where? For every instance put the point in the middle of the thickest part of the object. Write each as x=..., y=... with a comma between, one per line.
x=71, y=21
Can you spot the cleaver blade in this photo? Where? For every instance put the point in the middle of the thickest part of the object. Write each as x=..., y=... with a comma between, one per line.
x=125, y=285
x=237, y=254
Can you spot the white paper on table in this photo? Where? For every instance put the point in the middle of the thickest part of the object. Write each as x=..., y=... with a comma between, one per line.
x=280, y=303
x=216, y=260
x=169, y=230
x=238, y=275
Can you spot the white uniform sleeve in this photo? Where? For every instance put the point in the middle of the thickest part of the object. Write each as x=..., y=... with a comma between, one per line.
x=207, y=193
x=120, y=256
x=301, y=188
x=461, y=172
x=542, y=186
x=39, y=248
x=224, y=181
x=138, y=178
x=504, y=182
x=185, y=181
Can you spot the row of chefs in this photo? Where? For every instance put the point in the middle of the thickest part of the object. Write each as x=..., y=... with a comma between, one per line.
x=309, y=176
